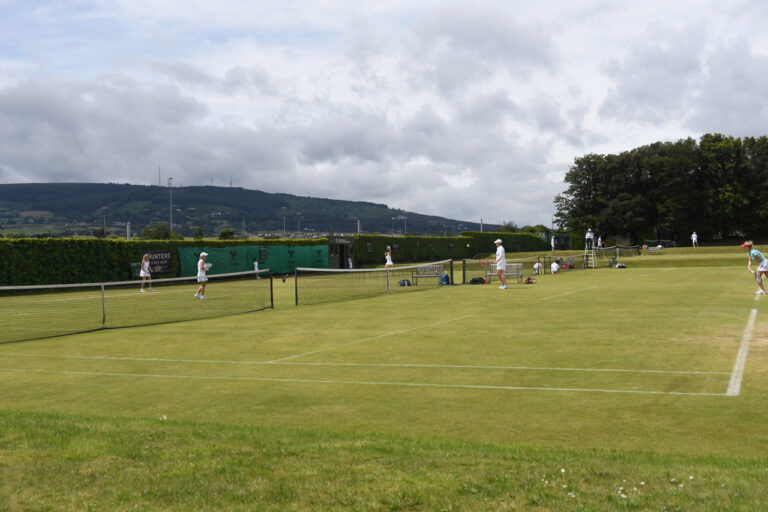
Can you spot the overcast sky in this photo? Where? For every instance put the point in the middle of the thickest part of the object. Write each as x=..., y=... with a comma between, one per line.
x=466, y=110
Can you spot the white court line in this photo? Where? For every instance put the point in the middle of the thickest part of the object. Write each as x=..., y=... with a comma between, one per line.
x=375, y=365
x=358, y=383
x=734, y=386
x=372, y=338
x=569, y=293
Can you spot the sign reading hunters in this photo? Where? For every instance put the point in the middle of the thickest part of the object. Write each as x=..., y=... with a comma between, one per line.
x=160, y=262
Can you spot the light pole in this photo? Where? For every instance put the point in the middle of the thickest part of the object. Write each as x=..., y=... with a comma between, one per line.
x=170, y=199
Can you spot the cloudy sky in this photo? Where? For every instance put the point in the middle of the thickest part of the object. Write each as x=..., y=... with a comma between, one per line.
x=468, y=110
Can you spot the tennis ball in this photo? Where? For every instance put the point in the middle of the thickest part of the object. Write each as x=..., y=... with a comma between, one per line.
x=467, y=245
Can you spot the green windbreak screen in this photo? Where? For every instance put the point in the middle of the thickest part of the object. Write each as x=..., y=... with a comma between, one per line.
x=280, y=259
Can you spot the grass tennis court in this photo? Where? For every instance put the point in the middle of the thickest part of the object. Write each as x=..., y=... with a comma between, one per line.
x=640, y=388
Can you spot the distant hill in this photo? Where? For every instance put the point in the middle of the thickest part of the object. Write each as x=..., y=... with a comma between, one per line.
x=80, y=208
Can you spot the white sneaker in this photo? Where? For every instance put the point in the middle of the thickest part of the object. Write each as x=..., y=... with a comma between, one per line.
x=202, y=297
x=760, y=292
x=504, y=287
x=142, y=290
x=151, y=289
x=197, y=295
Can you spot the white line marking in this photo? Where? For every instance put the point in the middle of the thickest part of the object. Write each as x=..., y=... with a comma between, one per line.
x=359, y=383
x=569, y=293
x=734, y=386
x=376, y=365
x=379, y=336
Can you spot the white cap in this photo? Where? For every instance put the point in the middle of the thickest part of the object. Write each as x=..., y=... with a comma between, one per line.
x=203, y=254
x=498, y=241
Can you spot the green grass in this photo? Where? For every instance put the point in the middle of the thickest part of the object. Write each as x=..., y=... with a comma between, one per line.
x=591, y=390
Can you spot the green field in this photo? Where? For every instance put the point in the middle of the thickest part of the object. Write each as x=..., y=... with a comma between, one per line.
x=610, y=389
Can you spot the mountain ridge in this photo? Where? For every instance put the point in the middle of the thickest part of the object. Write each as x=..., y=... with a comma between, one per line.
x=76, y=208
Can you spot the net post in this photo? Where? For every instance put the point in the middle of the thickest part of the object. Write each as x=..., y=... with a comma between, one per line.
x=451, y=272
x=296, y=286
x=389, y=285
x=103, y=308
x=271, y=292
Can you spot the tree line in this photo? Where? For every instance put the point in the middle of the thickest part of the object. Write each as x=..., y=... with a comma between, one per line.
x=717, y=187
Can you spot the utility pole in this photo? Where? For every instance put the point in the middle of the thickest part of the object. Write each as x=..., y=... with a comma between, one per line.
x=170, y=198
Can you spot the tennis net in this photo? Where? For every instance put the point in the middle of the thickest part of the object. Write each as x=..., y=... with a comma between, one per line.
x=485, y=270
x=318, y=285
x=34, y=312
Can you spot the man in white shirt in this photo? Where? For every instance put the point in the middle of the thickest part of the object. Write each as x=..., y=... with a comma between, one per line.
x=589, y=238
x=695, y=239
x=537, y=267
x=501, y=263
x=554, y=268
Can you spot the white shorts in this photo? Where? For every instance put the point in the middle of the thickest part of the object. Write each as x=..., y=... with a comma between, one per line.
x=763, y=266
x=201, y=279
x=501, y=266
x=143, y=273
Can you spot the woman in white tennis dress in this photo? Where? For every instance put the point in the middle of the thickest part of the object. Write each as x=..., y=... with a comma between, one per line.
x=202, y=266
x=388, y=257
x=145, y=273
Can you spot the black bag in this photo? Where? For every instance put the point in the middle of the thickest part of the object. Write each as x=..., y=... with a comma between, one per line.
x=405, y=282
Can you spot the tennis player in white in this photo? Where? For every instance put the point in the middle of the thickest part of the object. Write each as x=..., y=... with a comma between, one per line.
x=501, y=263
x=145, y=273
x=201, y=268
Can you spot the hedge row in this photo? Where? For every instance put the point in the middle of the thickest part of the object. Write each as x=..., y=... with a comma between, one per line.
x=89, y=260
x=369, y=249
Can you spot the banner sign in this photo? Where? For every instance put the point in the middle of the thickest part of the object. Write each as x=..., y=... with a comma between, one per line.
x=280, y=259
x=160, y=262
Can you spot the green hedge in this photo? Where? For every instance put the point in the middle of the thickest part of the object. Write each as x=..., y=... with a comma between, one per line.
x=32, y=261
x=369, y=249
